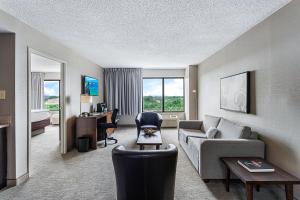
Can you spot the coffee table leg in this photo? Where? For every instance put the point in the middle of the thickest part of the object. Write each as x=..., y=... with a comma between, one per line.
x=141, y=147
x=157, y=147
x=249, y=191
x=289, y=191
x=227, y=178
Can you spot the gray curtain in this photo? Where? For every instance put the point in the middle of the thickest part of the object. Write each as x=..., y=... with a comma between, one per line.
x=123, y=89
x=37, y=90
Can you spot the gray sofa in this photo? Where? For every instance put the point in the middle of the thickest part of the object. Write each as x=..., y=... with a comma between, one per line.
x=231, y=140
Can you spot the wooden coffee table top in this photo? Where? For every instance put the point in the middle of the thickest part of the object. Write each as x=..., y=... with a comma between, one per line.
x=278, y=176
x=154, y=139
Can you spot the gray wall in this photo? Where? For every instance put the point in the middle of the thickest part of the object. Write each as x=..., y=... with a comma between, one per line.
x=271, y=50
x=76, y=66
x=191, y=98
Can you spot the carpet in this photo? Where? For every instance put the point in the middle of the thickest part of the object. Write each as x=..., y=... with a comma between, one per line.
x=91, y=176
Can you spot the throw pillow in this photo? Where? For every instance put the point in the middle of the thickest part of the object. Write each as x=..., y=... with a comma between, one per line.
x=211, y=133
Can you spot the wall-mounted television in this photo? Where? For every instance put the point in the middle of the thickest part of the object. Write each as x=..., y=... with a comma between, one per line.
x=90, y=86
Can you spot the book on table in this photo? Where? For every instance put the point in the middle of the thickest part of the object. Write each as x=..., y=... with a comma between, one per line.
x=253, y=165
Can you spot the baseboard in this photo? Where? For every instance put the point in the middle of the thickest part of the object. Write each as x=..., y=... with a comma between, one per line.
x=18, y=181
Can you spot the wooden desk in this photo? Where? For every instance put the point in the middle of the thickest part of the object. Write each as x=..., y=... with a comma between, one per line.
x=259, y=178
x=3, y=155
x=87, y=127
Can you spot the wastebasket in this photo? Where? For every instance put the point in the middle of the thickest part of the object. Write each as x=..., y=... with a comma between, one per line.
x=83, y=144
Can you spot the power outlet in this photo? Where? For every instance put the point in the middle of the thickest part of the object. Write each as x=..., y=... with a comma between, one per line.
x=2, y=95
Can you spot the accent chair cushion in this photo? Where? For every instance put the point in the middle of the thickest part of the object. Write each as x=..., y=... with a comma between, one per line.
x=210, y=121
x=211, y=133
x=149, y=126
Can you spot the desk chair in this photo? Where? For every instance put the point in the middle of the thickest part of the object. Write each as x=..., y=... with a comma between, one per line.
x=104, y=126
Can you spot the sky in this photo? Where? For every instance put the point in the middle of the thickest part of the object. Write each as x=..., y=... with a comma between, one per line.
x=153, y=87
x=51, y=88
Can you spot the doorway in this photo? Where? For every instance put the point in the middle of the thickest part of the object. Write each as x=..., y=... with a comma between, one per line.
x=46, y=109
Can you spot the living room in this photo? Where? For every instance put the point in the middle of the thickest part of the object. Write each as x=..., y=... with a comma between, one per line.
x=181, y=60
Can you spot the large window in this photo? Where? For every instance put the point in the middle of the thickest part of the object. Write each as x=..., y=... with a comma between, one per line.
x=163, y=94
x=51, y=95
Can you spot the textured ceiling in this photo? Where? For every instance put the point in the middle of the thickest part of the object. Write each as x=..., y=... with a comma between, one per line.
x=143, y=33
x=42, y=64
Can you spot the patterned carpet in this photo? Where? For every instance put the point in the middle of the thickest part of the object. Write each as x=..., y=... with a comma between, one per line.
x=91, y=175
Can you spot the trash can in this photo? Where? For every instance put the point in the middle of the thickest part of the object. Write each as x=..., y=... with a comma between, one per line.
x=83, y=144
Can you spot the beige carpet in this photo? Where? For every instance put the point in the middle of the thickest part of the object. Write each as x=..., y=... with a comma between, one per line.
x=91, y=176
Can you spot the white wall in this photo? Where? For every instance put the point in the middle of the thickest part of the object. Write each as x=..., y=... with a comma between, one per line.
x=129, y=120
x=163, y=72
x=271, y=50
x=52, y=76
x=76, y=66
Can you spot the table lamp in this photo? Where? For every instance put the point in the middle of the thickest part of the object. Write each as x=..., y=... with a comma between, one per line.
x=85, y=99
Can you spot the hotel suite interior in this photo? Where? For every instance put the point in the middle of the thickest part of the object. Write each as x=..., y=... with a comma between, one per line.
x=153, y=100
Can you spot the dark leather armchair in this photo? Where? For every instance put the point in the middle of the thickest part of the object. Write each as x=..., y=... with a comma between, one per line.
x=148, y=120
x=145, y=175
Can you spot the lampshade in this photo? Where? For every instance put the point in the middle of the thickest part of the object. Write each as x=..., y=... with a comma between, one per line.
x=85, y=99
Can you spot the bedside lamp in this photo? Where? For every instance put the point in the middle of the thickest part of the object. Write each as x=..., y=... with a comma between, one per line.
x=85, y=100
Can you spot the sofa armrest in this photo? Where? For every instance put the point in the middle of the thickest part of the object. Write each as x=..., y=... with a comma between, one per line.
x=211, y=150
x=190, y=124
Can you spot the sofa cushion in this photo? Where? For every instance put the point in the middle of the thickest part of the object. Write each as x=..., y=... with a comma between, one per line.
x=194, y=150
x=187, y=133
x=230, y=130
x=210, y=121
x=211, y=133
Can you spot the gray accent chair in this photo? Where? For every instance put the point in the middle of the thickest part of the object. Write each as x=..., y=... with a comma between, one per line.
x=232, y=140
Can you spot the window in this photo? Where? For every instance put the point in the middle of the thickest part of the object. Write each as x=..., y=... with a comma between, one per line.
x=163, y=94
x=51, y=95
x=152, y=95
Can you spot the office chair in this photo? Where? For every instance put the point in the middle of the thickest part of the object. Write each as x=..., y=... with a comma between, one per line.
x=104, y=126
x=145, y=175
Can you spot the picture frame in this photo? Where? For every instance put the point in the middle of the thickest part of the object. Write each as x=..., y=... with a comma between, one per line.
x=235, y=92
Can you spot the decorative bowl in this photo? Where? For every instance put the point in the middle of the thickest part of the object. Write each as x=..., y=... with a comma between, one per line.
x=149, y=131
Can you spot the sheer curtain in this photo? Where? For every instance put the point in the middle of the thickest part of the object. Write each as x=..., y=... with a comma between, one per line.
x=123, y=89
x=37, y=90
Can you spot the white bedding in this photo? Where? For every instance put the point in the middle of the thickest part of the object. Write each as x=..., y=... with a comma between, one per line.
x=39, y=115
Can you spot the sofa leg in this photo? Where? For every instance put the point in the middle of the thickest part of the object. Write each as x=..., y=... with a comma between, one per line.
x=205, y=180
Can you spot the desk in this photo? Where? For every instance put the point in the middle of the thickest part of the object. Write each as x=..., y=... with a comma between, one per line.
x=87, y=127
x=3, y=155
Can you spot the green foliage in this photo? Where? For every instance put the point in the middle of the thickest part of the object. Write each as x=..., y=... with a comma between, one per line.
x=172, y=103
x=52, y=107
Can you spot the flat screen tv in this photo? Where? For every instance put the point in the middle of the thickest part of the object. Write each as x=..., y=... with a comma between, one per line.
x=90, y=86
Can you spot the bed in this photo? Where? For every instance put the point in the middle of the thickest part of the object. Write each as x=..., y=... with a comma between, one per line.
x=39, y=120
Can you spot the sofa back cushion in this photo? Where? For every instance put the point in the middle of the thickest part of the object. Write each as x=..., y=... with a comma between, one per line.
x=230, y=130
x=210, y=121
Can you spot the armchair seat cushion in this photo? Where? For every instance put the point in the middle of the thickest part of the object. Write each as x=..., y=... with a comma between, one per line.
x=149, y=126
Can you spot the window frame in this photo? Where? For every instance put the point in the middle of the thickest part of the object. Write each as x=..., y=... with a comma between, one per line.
x=56, y=80
x=163, y=93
